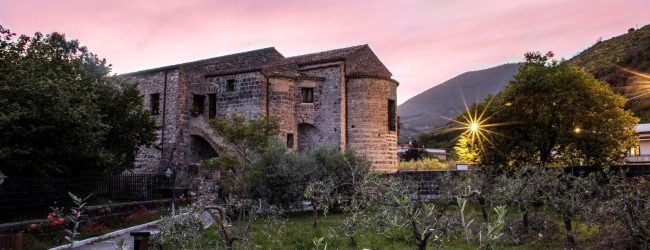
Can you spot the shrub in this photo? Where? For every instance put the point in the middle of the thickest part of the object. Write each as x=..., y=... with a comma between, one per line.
x=181, y=232
x=424, y=164
x=277, y=177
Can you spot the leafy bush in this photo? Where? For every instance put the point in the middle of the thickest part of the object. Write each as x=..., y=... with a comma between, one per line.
x=181, y=232
x=278, y=177
x=424, y=164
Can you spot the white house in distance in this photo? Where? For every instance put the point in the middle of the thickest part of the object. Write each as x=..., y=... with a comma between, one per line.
x=640, y=153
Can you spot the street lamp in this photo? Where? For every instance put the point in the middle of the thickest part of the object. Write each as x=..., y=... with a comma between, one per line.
x=474, y=127
x=2, y=177
x=171, y=172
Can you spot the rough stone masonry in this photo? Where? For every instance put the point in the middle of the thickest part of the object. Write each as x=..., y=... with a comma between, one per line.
x=342, y=98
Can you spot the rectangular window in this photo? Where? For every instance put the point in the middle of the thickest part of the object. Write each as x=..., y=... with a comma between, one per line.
x=289, y=140
x=154, y=101
x=212, y=105
x=230, y=85
x=392, y=122
x=199, y=105
x=307, y=95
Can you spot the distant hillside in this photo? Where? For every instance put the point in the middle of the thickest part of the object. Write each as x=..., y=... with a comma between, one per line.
x=631, y=50
x=429, y=108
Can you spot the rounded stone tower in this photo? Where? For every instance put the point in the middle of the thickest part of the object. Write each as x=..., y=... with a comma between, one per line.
x=372, y=119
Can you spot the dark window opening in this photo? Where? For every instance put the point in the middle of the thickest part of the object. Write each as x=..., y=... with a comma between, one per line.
x=308, y=95
x=289, y=140
x=230, y=85
x=212, y=105
x=199, y=105
x=392, y=122
x=155, y=103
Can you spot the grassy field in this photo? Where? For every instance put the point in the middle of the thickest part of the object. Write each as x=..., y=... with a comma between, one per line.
x=296, y=232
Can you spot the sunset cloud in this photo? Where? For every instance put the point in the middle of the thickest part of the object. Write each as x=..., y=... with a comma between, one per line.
x=422, y=42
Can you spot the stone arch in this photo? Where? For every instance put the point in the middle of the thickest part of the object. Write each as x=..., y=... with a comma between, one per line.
x=200, y=149
x=308, y=137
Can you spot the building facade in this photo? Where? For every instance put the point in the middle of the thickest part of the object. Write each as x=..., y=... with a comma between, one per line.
x=641, y=153
x=340, y=98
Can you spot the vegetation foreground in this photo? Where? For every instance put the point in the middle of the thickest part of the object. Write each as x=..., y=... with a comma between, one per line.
x=295, y=231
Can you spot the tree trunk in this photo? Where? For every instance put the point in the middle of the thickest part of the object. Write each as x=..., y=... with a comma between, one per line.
x=314, y=214
x=353, y=242
x=228, y=244
x=569, y=230
x=481, y=201
x=422, y=242
x=422, y=245
x=524, y=220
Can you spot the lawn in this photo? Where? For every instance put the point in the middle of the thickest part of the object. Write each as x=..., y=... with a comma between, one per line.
x=296, y=232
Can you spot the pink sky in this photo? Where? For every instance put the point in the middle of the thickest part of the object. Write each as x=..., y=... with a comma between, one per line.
x=423, y=42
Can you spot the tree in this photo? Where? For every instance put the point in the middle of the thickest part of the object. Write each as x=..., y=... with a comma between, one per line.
x=571, y=196
x=62, y=113
x=130, y=126
x=423, y=220
x=243, y=142
x=466, y=150
x=332, y=177
x=278, y=176
x=557, y=114
x=629, y=205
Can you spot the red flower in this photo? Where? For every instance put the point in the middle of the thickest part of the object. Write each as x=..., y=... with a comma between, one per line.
x=33, y=226
x=50, y=217
x=58, y=221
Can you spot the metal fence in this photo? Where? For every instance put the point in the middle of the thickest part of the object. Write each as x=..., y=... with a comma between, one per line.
x=24, y=199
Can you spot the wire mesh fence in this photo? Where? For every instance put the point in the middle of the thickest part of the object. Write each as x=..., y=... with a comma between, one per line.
x=25, y=199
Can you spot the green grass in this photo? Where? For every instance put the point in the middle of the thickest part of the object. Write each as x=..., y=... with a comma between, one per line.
x=296, y=232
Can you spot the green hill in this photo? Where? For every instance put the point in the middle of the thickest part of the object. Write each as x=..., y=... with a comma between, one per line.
x=614, y=61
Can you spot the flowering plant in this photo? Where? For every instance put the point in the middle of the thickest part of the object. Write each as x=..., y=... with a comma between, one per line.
x=56, y=217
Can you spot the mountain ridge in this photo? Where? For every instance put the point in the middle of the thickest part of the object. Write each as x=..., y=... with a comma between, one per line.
x=446, y=100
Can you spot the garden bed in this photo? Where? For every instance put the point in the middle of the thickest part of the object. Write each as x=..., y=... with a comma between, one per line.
x=103, y=219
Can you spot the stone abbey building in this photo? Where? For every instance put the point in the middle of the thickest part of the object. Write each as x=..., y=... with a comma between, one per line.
x=341, y=98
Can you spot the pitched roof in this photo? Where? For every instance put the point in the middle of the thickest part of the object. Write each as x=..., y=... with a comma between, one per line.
x=362, y=62
x=233, y=62
x=329, y=55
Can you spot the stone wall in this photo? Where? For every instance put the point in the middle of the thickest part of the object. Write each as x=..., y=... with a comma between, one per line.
x=281, y=106
x=246, y=98
x=325, y=112
x=155, y=159
x=368, y=132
